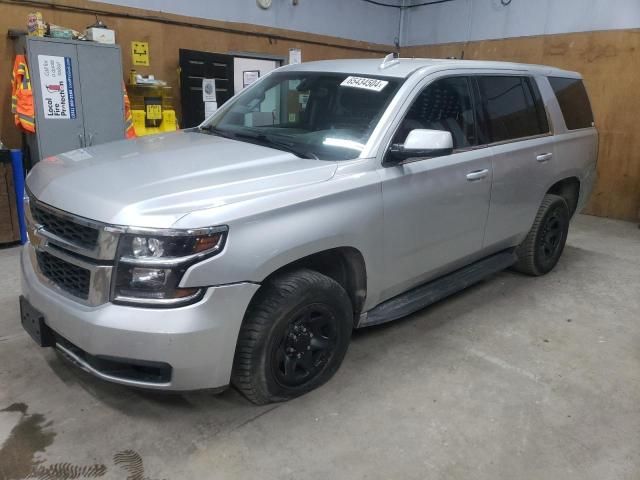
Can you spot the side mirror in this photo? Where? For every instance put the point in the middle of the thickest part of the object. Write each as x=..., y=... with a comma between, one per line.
x=422, y=143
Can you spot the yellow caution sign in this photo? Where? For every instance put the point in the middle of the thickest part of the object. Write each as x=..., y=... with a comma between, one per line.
x=140, y=53
x=154, y=112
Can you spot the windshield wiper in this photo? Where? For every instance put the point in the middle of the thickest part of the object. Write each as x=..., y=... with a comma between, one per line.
x=216, y=131
x=260, y=139
x=269, y=141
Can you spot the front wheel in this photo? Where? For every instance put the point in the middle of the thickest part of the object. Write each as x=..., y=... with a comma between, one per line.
x=542, y=248
x=294, y=337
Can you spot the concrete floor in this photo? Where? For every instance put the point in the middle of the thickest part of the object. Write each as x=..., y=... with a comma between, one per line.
x=515, y=378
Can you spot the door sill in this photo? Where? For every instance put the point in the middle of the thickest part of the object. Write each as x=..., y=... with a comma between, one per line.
x=435, y=290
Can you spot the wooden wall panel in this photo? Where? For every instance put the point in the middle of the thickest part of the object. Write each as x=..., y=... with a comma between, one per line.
x=165, y=41
x=608, y=60
x=9, y=228
x=610, y=63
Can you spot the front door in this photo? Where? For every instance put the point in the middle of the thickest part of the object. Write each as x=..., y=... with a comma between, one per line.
x=435, y=209
x=194, y=67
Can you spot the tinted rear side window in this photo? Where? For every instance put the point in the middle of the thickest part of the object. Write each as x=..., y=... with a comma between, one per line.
x=574, y=102
x=511, y=108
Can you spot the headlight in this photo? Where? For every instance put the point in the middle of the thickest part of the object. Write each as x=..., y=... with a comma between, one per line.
x=143, y=247
x=151, y=265
x=167, y=248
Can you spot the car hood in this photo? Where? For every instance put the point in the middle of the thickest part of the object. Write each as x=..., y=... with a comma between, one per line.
x=153, y=181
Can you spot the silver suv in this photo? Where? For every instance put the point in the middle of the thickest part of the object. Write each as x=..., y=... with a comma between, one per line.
x=328, y=196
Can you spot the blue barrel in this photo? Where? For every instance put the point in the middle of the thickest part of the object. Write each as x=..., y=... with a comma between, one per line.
x=18, y=184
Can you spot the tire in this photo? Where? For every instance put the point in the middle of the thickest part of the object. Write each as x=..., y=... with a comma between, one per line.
x=294, y=337
x=541, y=250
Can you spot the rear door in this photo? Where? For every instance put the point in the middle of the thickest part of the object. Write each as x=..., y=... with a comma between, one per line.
x=513, y=120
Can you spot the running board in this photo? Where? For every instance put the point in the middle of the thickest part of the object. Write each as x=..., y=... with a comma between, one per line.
x=424, y=295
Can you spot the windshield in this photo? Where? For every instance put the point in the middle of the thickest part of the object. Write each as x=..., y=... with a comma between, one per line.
x=313, y=115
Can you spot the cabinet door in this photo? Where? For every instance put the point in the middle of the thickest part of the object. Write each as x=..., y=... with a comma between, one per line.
x=55, y=81
x=102, y=102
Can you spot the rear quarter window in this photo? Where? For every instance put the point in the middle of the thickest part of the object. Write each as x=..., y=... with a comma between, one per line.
x=574, y=102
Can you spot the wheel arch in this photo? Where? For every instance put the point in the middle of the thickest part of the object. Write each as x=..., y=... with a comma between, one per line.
x=345, y=265
x=569, y=189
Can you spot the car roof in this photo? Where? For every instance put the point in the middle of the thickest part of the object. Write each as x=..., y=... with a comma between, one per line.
x=404, y=67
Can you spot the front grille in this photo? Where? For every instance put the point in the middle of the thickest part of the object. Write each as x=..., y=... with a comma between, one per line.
x=70, y=278
x=68, y=230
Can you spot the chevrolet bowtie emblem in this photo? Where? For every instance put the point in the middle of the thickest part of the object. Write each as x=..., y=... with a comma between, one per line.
x=35, y=239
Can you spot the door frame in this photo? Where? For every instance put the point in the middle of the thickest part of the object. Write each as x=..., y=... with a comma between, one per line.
x=259, y=56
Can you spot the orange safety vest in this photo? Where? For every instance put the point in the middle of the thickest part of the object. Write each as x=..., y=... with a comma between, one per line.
x=129, y=131
x=22, y=96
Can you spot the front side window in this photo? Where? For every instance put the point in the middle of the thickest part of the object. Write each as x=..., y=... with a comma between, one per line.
x=443, y=105
x=511, y=108
x=327, y=116
x=574, y=102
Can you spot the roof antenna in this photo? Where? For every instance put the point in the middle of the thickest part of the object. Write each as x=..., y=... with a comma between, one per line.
x=389, y=61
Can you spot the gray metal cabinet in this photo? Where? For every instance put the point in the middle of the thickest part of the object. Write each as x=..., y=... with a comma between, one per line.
x=90, y=108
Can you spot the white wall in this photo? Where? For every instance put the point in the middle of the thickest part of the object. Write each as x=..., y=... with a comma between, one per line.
x=352, y=19
x=462, y=20
x=240, y=65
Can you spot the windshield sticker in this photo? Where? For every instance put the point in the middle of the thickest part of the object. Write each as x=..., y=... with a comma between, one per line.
x=372, y=84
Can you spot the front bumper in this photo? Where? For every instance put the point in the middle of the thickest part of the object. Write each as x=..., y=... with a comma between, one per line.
x=198, y=341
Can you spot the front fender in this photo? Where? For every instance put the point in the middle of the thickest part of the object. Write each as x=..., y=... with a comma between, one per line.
x=269, y=233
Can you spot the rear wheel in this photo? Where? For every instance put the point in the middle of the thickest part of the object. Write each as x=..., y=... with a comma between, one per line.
x=294, y=337
x=542, y=248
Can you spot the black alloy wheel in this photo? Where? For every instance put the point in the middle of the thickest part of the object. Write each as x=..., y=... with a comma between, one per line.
x=294, y=336
x=541, y=250
x=306, y=346
x=552, y=233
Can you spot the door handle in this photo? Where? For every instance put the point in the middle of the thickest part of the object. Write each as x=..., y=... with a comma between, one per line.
x=477, y=175
x=544, y=157
x=81, y=140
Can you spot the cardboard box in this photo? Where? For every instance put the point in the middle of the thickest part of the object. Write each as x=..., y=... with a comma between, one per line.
x=101, y=35
x=258, y=119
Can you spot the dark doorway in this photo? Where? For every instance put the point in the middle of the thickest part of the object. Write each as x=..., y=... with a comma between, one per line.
x=194, y=66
